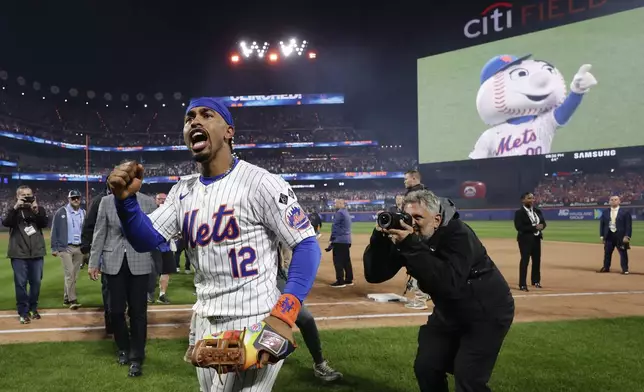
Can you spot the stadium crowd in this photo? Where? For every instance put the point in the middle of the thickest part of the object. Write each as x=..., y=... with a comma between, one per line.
x=590, y=188
x=163, y=125
x=326, y=164
x=52, y=198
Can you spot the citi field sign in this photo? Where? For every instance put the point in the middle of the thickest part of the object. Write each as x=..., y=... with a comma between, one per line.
x=502, y=16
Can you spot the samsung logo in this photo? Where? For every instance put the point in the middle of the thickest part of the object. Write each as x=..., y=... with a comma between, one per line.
x=595, y=154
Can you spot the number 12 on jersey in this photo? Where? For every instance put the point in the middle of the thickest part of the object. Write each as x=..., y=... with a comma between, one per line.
x=241, y=262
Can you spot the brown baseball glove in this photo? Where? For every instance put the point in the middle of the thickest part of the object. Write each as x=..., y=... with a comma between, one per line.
x=263, y=343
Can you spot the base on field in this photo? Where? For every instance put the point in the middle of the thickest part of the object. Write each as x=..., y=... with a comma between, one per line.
x=387, y=297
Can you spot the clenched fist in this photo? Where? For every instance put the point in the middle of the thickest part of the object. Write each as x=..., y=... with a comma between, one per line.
x=126, y=179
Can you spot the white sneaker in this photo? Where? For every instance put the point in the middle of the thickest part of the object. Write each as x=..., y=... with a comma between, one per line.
x=325, y=372
x=416, y=305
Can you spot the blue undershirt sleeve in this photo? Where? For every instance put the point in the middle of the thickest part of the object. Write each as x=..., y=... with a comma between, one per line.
x=137, y=226
x=565, y=111
x=303, y=268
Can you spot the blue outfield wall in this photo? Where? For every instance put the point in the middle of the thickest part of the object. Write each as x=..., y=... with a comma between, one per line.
x=562, y=213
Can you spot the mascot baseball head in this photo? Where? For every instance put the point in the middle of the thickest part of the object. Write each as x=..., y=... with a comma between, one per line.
x=518, y=86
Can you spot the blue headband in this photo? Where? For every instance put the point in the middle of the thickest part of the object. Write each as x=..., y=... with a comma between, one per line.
x=212, y=103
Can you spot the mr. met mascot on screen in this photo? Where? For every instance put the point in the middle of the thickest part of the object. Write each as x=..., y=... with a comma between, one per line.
x=524, y=102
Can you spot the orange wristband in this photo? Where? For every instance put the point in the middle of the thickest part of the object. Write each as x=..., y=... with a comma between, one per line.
x=287, y=308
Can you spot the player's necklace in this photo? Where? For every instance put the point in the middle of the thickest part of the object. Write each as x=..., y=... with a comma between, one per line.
x=230, y=168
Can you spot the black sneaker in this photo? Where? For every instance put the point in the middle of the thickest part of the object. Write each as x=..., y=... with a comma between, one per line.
x=34, y=315
x=122, y=358
x=163, y=300
x=24, y=319
x=135, y=370
x=73, y=305
x=338, y=285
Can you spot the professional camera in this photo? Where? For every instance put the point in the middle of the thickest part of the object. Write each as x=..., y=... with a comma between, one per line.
x=391, y=220
x=28, y=200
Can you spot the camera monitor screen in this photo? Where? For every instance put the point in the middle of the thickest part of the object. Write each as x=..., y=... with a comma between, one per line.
x=493, y=100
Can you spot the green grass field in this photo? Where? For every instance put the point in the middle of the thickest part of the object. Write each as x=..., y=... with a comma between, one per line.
x=593, y=355
x=584, y=356
x=181, y=287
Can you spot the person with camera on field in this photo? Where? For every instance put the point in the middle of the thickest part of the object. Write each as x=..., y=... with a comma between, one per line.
x=25, y=220
x=473, y=305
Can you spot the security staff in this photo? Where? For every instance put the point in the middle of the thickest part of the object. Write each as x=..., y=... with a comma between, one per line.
x=529, y=223
x=66, y=230
x=413, y=181
x=473, y=306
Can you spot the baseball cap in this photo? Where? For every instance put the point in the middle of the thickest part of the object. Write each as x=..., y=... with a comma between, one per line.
x=500, y=63
x=73, y=193
x=214, y=104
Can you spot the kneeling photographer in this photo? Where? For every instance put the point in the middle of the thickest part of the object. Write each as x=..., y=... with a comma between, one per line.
x=473, y=306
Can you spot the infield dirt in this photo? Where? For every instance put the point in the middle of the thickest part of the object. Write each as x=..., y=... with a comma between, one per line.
x=572, y=290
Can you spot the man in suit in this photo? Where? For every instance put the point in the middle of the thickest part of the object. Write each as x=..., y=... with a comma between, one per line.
x=615, y=230
x=87, y=235
x=127, y=273
x=529, y=223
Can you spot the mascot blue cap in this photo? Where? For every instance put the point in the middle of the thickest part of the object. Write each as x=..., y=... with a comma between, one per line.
x=214, y=104
x=500, y=63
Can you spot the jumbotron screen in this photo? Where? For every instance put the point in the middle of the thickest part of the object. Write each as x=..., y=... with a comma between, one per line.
x=493, y=100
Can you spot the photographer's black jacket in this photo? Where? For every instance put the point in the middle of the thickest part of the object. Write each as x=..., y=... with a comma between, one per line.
x=452, y=266
x=21, y=245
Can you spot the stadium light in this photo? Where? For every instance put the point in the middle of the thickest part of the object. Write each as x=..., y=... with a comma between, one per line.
x=312, y=55
x=234, y=58
x=272, y=57
x=292, y=46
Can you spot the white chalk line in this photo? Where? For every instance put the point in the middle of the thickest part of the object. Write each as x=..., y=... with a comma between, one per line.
x=178, y=325
x=84, y=329
x=161, y=310
x=170, y=310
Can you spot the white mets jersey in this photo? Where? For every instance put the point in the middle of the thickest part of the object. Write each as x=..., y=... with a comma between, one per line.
x=232, y=227
x=528, y=138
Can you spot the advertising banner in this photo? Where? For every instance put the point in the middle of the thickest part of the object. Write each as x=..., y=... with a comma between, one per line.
x=248, y=146
x=282, y=100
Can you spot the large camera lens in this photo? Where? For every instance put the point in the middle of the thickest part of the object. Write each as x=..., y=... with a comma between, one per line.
x=385, y=219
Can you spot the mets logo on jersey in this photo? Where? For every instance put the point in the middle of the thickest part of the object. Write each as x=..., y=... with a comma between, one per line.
x=296, y=218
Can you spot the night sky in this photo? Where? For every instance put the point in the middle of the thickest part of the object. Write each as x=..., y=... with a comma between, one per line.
x=366, y=52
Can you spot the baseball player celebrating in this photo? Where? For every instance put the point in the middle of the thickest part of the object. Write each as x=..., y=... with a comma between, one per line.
x=232, y=217
x=525, y=102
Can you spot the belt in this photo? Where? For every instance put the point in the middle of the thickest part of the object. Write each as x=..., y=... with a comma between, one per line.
x=73, y=244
